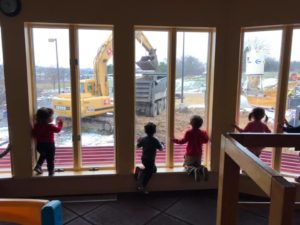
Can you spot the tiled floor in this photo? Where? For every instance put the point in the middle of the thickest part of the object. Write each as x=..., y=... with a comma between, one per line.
x=171, y=208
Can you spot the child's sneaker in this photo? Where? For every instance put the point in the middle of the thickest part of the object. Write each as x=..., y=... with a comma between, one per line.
x=38, y=170
x=137, y=172
x=51, y=173
x=142, y=189
x=204, y=173
x=154, y=169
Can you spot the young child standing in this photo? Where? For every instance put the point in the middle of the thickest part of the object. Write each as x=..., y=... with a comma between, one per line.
x=286, y=127
x=43, y=132
x=195, y=137
x=255, y=124
x=149, y=144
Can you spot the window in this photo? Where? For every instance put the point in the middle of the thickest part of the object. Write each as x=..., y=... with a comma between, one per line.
x=87, y=139
x=53, y=85
x=191, y=85
x=151, y=79
x=97, y=109
x=259, y=78
x=4, y=135
x=290, y=158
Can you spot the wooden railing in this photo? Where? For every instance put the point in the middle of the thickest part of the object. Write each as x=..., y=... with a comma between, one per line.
x=235, y=156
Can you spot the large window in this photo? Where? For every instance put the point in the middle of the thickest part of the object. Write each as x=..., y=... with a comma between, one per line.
x=290, y=158
x=151, y=80
x=4, y=137
x=260, y=71
x=53, y=83
x=86, y=141
x=259, y=78
x=96, y=97
x=191, y=84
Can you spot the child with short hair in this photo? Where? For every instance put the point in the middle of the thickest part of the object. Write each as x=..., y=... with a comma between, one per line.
x=255, y=124
x=195, y=138
x=43, y=132
x=149, y=144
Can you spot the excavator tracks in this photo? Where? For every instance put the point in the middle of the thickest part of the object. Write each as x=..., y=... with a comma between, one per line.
x=102, y=124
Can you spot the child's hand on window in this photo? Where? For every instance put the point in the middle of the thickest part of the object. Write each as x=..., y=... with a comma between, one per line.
x=59, y=120
x=174, y=140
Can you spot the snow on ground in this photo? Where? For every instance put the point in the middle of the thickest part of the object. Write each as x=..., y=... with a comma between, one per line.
x=269, y=82
x=92, y=139
x=196, y=106
x=3, y=136
x=64, y=139
x=190, y=86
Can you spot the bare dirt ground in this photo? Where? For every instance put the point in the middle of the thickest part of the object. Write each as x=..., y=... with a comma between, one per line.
x=183, y=113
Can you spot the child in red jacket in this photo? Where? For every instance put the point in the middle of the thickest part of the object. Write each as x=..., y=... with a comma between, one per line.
x=195, y=138
x=43, y=132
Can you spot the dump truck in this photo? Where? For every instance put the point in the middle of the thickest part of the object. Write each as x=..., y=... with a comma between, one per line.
x=150, y=94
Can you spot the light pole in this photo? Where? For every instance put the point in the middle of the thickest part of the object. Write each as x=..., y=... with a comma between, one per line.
x=182, y=71
x=57, y=66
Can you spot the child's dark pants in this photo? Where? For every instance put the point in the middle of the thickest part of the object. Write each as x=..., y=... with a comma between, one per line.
x=47, y=152
x=148, y=171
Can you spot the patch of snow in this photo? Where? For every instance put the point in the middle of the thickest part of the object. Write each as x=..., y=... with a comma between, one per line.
x=269, y=82
x=4, y=137
x=196, y=106
x=64, y=139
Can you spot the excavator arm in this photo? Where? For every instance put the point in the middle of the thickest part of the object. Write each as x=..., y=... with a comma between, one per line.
x=104, y=53
x=150, y=61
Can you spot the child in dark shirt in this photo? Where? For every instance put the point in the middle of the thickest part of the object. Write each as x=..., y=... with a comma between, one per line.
x=43, y=132
x=149, y=144
x=195, y=138
x=286, y=127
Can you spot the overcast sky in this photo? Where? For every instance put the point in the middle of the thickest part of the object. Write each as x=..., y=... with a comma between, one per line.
x=91, y=40
x=196, y=44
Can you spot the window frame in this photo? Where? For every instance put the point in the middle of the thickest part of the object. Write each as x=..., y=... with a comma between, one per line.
x=283, y=76
x=172, y=43
x=74, y=82
x=8, y=169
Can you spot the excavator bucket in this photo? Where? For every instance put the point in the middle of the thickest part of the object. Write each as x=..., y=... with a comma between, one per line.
x=148, y=62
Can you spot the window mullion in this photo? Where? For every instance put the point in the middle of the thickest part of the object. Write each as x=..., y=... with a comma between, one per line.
x=209, y=96
x=286, y=48
x=75, y=94
x=171, y=97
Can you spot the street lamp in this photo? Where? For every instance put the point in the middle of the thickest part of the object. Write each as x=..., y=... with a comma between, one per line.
x=57, y=66
x=182, y=68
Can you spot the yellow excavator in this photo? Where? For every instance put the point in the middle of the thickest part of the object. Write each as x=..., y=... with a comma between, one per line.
x=96, y=105
x=265, y=96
